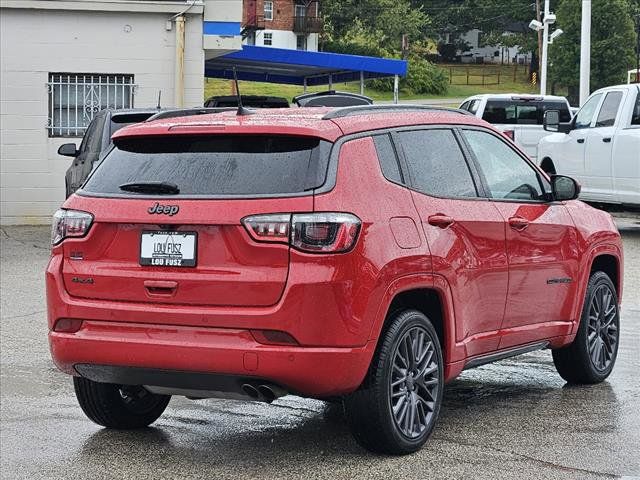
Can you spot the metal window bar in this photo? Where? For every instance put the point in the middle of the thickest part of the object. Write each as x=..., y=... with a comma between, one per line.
x=70, y=112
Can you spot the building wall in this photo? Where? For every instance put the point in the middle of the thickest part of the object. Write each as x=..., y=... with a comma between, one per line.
x=281, y=25
x=286, y=39
x=36, y=42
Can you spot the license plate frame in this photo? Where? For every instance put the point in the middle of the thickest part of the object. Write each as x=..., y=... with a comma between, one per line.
x=153, y=254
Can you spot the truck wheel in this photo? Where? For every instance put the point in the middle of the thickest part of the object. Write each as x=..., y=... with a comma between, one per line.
x=592, y=355
x=119, y=406
x=396, y=408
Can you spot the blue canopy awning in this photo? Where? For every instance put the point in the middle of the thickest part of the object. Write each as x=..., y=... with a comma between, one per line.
x=278, y=65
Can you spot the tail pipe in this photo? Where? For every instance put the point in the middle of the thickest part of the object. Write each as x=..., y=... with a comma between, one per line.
x=264, y=392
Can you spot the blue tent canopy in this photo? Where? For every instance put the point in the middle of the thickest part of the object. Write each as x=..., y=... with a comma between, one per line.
x=299, y=67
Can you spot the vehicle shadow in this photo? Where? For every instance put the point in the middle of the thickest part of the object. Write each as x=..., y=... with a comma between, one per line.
x=472, y=408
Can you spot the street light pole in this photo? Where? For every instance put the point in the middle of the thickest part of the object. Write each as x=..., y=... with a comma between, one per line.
x=545, y=50
x=585, y=52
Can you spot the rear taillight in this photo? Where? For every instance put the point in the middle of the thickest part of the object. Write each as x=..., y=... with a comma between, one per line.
x=69, y=224
x=510, y=134
x=323, y=232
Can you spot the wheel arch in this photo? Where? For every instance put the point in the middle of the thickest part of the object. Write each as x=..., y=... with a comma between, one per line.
x=429, y=294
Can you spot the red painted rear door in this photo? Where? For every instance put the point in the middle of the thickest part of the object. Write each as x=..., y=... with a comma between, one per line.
x=465, y=234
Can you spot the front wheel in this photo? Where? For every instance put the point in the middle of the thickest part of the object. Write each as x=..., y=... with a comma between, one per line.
x=119, y=406
x=396, y=408
x=592, y=355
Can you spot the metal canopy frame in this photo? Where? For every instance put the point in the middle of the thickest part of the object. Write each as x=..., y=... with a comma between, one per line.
x=299, y=67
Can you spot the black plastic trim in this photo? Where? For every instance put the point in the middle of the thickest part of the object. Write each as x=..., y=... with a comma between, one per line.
x=503, y=354
x=164, y=378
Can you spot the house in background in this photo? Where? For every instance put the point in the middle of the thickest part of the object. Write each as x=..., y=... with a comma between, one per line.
x=477, y=52
x=290, y=24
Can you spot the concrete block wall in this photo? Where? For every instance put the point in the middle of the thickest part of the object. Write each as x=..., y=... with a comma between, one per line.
x=37, y=42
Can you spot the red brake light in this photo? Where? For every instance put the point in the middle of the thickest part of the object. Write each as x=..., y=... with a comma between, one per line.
x=68, y=224
x=324, y=232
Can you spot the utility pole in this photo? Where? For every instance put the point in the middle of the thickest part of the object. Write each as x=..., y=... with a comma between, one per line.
x=539, y=18
x=585, y=52
x=545, y=50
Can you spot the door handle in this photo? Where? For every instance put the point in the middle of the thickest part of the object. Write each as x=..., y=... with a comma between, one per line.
x=607, y=140
x=518, y=223
x=581, y=140
x=440, y=220
x=160, y=288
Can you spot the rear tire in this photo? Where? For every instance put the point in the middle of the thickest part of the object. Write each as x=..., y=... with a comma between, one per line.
x=592, y=355
x=396, y=408
x=119, y=406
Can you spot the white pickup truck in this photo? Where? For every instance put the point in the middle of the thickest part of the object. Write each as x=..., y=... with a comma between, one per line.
x=600, y=147
x=518, y=116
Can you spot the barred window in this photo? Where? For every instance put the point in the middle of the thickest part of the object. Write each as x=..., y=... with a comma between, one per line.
x=75, y=98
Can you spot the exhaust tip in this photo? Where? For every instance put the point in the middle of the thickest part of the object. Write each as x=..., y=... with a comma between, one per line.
x=251, y=391
x=268, y=395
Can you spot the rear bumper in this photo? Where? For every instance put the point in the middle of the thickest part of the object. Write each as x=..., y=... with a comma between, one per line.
x=308, y=371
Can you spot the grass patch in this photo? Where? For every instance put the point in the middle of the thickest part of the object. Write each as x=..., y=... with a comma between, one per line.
x=214, y=86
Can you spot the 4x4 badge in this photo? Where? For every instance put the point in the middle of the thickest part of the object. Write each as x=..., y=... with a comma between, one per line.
x=158, y=209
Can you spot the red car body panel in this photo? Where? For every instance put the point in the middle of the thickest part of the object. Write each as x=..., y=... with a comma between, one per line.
x=486, y=274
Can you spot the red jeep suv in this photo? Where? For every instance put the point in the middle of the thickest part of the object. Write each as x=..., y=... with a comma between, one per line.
x=364, y=254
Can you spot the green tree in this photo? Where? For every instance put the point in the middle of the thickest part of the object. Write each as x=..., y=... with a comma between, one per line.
x=612, y=44
x=373, y=23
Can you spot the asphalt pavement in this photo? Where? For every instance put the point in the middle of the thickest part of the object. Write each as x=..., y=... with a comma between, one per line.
x=513, y=419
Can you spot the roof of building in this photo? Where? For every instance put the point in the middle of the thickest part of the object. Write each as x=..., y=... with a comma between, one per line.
x=279, y=65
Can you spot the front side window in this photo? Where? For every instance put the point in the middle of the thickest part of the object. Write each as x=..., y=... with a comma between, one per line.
x=507, y=174
x=268, y=10
x=436, y=163
x=75, y=98
x=585, y=116
x=609, y=109
x=268, y=39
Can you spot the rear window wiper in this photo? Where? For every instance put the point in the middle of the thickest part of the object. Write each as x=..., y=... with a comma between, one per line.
x=151, y=187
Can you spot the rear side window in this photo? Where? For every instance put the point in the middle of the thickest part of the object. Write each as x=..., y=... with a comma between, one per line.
x=387, y=158
x=521, y=112
x=609, y=110
x=436, y=163
x=215, y=165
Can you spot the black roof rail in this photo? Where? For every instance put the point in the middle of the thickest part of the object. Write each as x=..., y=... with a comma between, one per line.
x=189, y=112
x=366, y=109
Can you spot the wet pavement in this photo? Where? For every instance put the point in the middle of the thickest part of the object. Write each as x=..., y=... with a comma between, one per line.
x=512, y=419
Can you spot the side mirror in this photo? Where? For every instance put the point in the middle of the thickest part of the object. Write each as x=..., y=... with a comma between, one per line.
x=68, y=150
x=551, y=120
x=564, y=188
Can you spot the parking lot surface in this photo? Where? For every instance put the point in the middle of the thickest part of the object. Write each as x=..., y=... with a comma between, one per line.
x=512, y=419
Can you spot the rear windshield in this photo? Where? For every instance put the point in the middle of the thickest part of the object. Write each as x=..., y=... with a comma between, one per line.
x=221, y=165
x=521, y=112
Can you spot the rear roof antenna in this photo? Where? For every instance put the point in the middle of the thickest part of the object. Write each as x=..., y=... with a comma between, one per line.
x=241, y=110
x=159, y=97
